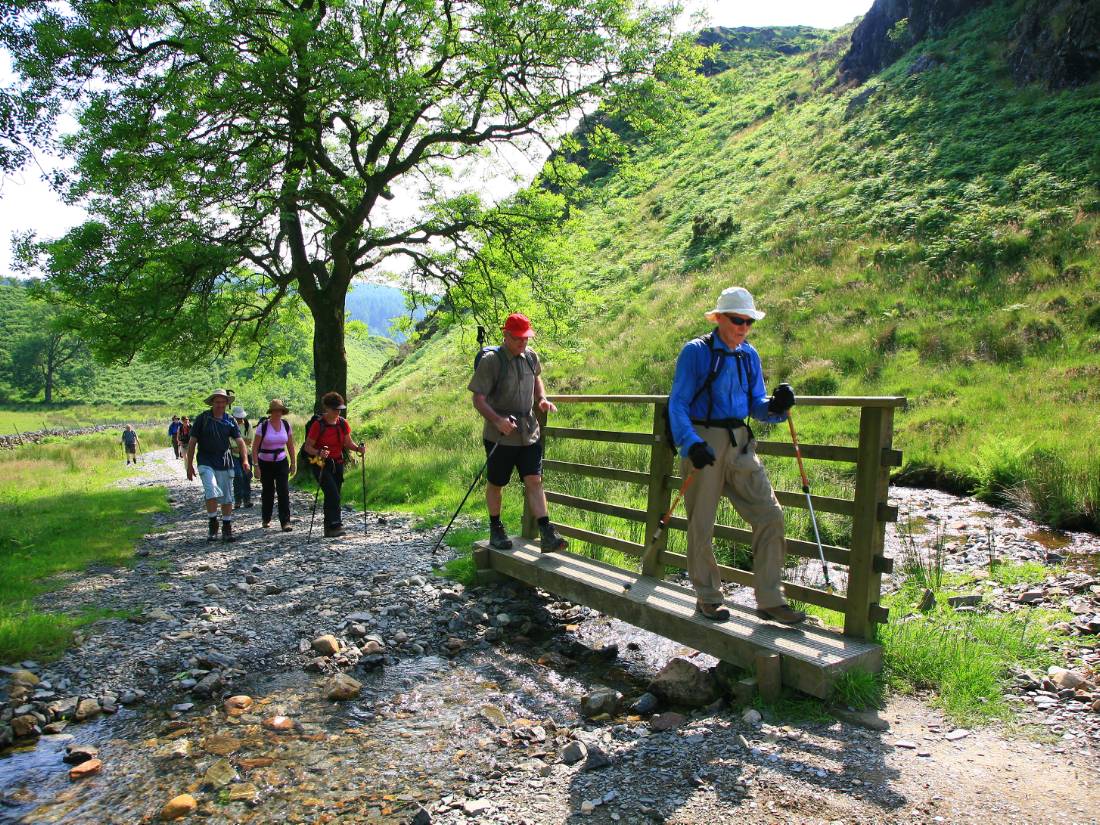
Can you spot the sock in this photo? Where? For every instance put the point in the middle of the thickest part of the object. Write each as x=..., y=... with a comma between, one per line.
x=494, y=521
x=213, y=520
x=544, y=522
x=227, y=519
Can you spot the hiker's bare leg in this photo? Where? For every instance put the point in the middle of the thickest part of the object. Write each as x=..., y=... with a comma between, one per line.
x=227, y=509
x=536, y=495
x=212, y=506
x=494, y=495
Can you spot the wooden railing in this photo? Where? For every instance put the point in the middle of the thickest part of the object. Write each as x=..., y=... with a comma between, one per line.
x=868, y=508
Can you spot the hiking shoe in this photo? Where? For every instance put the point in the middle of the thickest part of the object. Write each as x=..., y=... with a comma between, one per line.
x=551, y=541
x=498, y=537
x=213, y=535
x=227, y=532
x=286, y=528
x=266, y=524
x=334, y=532
x=781, y=613
x=715, y=612
x=248, y=502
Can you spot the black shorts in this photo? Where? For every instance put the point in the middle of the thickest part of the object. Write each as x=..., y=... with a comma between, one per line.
x=528, y=460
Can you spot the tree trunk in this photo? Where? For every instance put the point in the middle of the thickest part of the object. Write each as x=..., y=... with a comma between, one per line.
x=330, y=361
x=49, y=387
x=50, y=370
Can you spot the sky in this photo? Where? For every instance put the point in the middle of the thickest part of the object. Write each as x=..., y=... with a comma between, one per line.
x=27, y=203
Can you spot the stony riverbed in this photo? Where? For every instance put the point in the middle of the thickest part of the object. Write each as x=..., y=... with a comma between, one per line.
x=470, y=702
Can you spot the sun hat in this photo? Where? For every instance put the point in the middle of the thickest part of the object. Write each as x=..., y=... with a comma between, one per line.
x=238, y=412
x=518, y=325
x=735, y=299
x=277, y=404
x=218, y=393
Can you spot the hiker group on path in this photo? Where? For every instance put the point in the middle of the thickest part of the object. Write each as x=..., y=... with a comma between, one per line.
x=717, y=387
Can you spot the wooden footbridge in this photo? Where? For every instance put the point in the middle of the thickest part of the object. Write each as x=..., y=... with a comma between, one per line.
x=804, y=657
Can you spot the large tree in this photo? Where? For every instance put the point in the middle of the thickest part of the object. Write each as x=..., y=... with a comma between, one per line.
x=232, y=153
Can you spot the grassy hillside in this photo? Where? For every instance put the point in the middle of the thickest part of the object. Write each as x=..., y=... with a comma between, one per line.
x=933, y=234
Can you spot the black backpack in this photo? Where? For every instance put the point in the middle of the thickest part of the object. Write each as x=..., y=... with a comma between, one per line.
x=717, y=359
x=483, y=350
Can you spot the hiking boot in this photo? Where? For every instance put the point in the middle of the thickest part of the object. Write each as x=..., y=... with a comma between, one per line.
x=213, y=534
x=498, y=537
x=334, y=532
x=248, y=502
x=713, y=611
x=286, y=528
x=781, y=613
x=550, y=540
x=227, y=531
x=266, y=524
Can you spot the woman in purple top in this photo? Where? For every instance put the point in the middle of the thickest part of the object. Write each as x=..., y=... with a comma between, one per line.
x=276, y=459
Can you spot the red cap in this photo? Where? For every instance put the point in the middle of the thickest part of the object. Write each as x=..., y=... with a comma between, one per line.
x=519, y=326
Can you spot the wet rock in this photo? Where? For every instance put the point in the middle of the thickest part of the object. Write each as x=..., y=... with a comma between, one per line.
x=55, y=728
x=220, y=774
x=667, y=721
x=278, y=723
x=574, y=752
x=179, y=807
x=207, y=685
x=244, y=792
x=25, y=726
x=177, y=749
x=24, y=677
x=86, y=709
x=682, y=683
x=221, y=745
x=341, y=687
x=326, y=645
x=237, y=705
x=87, y=768
x=601, y=701
x=75, y=754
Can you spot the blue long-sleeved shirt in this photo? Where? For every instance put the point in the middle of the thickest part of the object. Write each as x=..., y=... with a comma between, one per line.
x=738, y=393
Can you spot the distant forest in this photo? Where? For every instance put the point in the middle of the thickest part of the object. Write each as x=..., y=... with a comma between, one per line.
x=377, y=305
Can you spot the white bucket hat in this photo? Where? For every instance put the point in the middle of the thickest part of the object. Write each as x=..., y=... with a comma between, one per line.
x=735, y=299
x=238, y=412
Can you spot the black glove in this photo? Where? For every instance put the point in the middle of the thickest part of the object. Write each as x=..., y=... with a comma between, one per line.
x=701, y=455
x=782, y=399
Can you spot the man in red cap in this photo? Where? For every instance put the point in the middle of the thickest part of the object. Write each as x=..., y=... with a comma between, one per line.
x=507, y=387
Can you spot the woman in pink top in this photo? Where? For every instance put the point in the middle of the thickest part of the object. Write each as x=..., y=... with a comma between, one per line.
x=275, y=461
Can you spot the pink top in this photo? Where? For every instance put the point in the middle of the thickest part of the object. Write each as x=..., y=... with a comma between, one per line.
x=273, y=443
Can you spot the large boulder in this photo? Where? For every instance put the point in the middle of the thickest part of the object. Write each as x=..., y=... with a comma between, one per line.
x=682, y=683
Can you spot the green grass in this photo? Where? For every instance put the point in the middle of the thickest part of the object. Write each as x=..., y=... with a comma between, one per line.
x=62, y=513
x=27, y=417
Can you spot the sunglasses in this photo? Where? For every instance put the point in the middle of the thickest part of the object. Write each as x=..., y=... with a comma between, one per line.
x=740, y=322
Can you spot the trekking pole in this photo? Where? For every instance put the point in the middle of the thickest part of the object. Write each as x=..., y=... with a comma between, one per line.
x=363, y=472
x=809, y=501
x=477, y=478
x=662, y=523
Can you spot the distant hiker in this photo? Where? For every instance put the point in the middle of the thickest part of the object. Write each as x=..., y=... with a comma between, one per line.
x=242, y=479
x=719, y=383
x=184, y=433
x=507, y=387
x=276, y=460
x=174, y=434
x=326, y=439
x=212, y=433
x=130, y=443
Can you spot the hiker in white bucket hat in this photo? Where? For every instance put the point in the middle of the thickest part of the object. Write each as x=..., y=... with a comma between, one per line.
x=718, y=386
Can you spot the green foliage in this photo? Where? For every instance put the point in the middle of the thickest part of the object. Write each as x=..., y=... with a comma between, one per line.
x=859, y=689
x=62, y=512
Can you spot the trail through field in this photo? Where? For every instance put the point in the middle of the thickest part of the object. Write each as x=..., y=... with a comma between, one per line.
x=217, y=687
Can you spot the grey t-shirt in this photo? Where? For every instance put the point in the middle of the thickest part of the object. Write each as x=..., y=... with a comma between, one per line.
x=514, y=394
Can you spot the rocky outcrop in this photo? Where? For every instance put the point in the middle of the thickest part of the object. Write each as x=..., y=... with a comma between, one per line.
x=1057, y=43
x=891, y=27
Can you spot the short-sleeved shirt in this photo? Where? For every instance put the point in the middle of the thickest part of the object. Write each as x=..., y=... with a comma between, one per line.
x=273, y=440
x=129, y=438
x=214, y=435
x=174, y=428
x=246, y=434
x=514, y=393
x=331, y=436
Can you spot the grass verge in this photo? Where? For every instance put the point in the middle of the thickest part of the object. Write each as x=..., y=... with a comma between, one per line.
x=61, y=513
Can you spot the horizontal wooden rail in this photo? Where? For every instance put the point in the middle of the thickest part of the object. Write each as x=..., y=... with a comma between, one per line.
x=796, y=547
x=630, y=548
x=822, y=452
x=611, y=473
x=616, y=510
x=614, y=436
x=803, y=400
x=822, y=504
x=810, y=595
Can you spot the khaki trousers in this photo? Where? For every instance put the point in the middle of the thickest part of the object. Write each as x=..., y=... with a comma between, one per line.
x=739, y=475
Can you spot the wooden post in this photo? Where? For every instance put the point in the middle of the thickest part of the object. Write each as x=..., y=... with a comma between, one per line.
x=660, y=466
x=769, y=676
x=530, y=526
x=868, y=533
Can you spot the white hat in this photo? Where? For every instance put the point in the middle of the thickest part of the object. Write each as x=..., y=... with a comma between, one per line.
x=738, y=300
x=238, y=412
